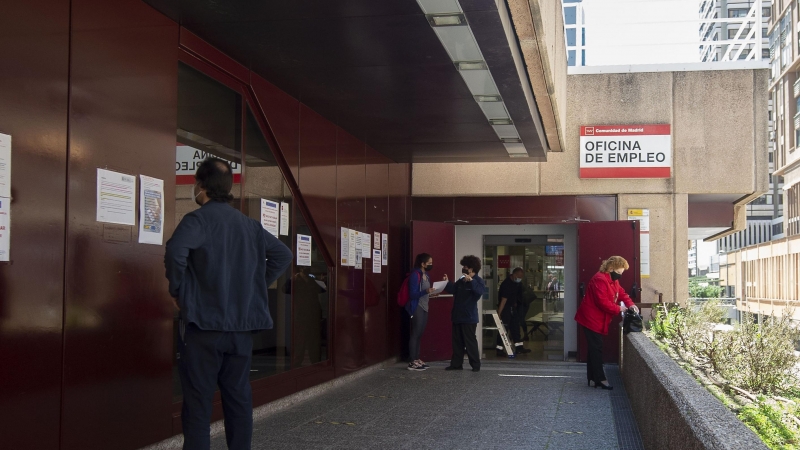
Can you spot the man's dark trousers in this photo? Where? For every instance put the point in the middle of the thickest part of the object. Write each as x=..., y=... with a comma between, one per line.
x=464, y=337
x=211, y=359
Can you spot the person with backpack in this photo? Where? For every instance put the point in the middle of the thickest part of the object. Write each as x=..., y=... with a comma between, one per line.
x=419, y=289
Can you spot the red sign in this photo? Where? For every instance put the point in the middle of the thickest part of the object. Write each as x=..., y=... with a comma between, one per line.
x=626, y=151
x=503, y=261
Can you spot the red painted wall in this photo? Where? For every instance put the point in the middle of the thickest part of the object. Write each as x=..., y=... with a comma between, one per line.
x=34, y=67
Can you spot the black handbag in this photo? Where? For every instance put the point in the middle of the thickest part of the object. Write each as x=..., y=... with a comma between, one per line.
x=632, y=322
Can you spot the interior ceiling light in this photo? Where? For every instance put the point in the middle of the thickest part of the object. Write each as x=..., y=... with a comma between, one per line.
x=488, y=98
x=517, y=155
x=501, y=122
x=446, y=20
x=511, y=140
x=471, y=65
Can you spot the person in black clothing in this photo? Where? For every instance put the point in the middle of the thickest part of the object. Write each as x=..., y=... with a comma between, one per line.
x=467, y=291
x=510, y=311
x=307, y=313
x=219, y=264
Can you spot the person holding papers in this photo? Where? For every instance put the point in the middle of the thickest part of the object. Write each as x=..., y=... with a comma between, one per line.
x=419, y=290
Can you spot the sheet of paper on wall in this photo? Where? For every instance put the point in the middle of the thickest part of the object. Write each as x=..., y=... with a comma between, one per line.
x=116, y=197
x=5, y=229
x=376, y=261
x=384, y=249
x=643, y=216
x=366, y=245
x=151, y=210
x=377, y=243
x=345, y=244
x=351, y=255
x=284, y=219
x=303, y=250
x=270, y=216
x=5, y=165
x=358, y=254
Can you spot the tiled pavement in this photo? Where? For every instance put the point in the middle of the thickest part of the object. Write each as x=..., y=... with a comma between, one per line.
x=507, y=405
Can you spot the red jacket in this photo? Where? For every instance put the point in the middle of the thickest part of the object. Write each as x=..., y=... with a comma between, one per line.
x=601, y=303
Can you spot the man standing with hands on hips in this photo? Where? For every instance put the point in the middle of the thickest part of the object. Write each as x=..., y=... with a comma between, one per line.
x=467, y=291
x=219, y=265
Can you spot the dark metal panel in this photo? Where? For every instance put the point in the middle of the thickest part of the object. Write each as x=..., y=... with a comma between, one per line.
x=376, y=286
x=317, y=172
x=348, y=343
x=283, y=114
x=433, y=209
x=710, y=214
x=118, y=326
x=553, y=207
x=597, y=208
x=399, y=217
x=34, y=50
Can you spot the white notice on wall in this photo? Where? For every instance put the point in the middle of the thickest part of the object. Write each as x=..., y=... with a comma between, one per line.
x=359, y=251
x=151, y=210
x=345, y=242
x=366, y=245
x=643, y=216
x=284, y=219
x=351, y=255
x=116, y=197
x=377, y=242
x=5, y=165
x=376, y=261
x=385, y=249
x=5, y=229
x=303, y=250
x=269, y=216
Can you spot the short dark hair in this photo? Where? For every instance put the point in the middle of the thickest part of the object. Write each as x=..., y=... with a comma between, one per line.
x=471, y=261
x=420, y=259
x=518, y=269
x=216, y=177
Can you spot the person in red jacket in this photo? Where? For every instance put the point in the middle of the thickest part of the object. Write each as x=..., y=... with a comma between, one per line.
x=599, y=305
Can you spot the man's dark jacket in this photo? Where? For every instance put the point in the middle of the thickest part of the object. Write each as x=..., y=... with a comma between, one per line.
x=219, y=264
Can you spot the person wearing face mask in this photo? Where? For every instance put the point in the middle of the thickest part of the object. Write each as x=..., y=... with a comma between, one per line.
x=419, y=289
x=219, y=264
x=599, y=305
x=509, y=311
x=467, y=291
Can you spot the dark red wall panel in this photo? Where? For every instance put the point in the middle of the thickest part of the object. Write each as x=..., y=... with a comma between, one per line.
x=34, y=50
x=399, y=264
x=376, y=285
x=514, y=210
x=511, y=207
x=597, y=208
x=317, y=172
x=348, y=345
x=118, y=324
x=283, y=116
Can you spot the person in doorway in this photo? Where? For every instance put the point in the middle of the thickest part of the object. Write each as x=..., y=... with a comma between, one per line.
x=307, y=312
x=510, y=310
x=419, y=289
x=467, y=291
x=219, y=264
x=604, y=298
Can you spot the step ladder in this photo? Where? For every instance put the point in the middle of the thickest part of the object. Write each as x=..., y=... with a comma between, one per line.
x=500, y=329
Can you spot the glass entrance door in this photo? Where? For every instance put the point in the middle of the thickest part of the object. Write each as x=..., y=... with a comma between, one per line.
x=539, y=306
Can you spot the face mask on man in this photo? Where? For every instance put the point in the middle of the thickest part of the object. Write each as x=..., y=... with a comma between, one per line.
x=615, y=276
x=517, y=280
x=199, y=191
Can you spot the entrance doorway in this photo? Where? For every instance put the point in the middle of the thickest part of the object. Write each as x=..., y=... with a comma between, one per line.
x=541, y=309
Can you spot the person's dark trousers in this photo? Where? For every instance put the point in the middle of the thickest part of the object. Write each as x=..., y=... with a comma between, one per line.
x=594, y=358
x=418, y=323
x=523, y=313
x=464, y=338
x=211, y=359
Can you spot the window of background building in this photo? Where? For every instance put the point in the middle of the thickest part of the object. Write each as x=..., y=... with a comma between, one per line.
x=766, y=12
x=737, y=12
x=570, y=15
x=571, y=57
x=571, y=34
x=210, y=121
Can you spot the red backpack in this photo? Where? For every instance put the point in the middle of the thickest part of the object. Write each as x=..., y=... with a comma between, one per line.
x=402, y=294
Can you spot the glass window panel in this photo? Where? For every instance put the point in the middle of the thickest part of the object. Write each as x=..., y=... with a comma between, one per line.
x=569, y=15
x=571, y=32
x=571, y=57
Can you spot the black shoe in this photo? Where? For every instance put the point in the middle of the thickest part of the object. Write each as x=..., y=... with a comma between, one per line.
x=604, y=387
x=453, y=368
x=476, y=369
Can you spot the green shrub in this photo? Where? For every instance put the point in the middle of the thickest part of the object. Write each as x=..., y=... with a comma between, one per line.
x=766, y=422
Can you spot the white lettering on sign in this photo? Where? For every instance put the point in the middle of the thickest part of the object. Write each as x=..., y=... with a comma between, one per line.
x=187, y=159
x=620, y=151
